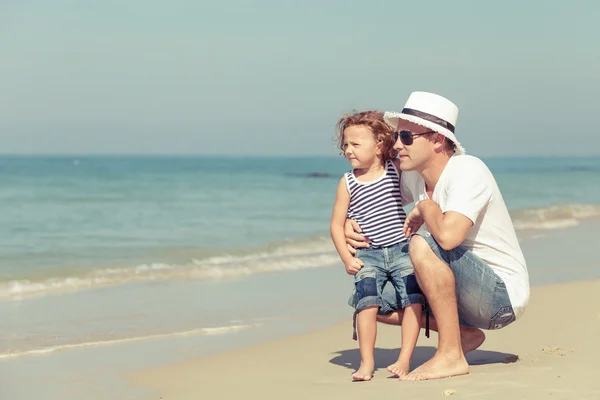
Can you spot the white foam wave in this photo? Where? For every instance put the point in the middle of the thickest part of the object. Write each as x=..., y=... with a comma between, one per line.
x=554, y=217
x=72, y=346
x=314, y=254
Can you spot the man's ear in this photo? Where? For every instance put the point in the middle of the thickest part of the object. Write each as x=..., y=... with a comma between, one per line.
x=440, y=139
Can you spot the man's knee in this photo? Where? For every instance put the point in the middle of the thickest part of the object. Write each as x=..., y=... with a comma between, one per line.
x=393, y=318
x=424, y=257
x=419, y=250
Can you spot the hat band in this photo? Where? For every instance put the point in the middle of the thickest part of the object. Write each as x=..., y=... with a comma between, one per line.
x=429, y=117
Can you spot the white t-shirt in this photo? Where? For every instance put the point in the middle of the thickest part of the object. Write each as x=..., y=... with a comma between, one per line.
x=468, y=187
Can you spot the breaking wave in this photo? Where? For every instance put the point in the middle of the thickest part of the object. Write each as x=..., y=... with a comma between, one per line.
x=300, y=255
x=554, y=217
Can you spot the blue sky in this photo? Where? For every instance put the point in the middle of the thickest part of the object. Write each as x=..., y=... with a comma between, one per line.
x=273, y=77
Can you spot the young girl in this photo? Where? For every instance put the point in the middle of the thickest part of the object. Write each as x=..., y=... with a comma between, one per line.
x=370, y=195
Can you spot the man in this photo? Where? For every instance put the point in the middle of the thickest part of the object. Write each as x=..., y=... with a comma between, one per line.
x=468, y=261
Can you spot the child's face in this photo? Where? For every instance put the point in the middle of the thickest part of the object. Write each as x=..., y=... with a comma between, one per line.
x=361, y=149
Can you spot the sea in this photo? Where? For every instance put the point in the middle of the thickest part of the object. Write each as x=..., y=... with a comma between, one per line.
x=205, y=253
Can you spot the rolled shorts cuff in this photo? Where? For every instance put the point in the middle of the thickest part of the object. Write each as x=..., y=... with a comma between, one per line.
x=371, y=301
x=413, y=299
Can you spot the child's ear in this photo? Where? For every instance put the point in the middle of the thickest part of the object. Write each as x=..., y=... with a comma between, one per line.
x=379, y=147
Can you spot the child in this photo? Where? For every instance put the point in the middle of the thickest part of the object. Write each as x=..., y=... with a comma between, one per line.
x=370, y=195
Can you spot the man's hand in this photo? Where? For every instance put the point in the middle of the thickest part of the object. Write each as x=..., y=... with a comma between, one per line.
x=354, y=239
x=353, y=265
x=414, y=221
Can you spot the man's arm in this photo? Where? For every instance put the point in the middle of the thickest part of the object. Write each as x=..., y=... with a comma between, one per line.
x=354, y=237
x=449, y=229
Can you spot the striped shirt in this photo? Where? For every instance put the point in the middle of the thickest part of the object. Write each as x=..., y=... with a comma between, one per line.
x=377, y=206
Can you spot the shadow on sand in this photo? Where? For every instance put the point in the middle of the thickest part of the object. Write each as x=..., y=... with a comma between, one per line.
x=383, y=357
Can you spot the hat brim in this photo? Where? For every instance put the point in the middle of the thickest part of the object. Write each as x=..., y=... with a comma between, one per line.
x=391, y=118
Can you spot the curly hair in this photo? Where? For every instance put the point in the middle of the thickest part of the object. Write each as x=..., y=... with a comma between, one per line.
x=382, y=132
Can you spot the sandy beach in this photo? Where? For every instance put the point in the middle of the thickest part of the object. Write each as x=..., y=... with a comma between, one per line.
x=551, y=352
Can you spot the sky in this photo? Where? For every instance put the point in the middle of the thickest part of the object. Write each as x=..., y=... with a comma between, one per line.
x=272, y=77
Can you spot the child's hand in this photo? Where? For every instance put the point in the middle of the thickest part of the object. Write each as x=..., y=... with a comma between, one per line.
x=353, y=265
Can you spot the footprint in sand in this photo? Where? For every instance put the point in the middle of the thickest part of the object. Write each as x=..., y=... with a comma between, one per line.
x=555, y=351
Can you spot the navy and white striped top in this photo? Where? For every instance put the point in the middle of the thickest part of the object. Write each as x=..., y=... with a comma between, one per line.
x=377, y=206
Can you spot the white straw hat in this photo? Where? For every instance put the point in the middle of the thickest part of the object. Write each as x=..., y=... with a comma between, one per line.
x=430, y=111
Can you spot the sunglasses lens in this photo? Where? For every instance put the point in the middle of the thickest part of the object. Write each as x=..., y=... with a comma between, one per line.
x=406, y=138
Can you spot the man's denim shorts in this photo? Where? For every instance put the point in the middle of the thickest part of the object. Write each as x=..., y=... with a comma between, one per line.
x=389, y=265
x=481, y=295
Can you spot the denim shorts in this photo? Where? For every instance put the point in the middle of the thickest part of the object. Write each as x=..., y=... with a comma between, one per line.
x=389, y=265
x=481, y=295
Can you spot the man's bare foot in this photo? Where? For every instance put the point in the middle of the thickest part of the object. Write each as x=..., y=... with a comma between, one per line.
x=365, y=372
x=399, y=368
x=471, y=339
x=438, y=367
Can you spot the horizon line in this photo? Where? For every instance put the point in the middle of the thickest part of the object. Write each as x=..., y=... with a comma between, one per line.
x=268, y=155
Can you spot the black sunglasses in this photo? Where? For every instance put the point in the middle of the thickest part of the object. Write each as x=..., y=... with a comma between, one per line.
x=407, y=137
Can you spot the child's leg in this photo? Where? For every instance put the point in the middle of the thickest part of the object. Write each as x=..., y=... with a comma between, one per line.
x=368, y=283
x=411, y=326
x=408, y=292
x=366, y=322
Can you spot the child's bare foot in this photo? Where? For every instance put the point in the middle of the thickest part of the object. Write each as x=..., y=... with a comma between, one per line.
x=399, y=368
x=365, y=372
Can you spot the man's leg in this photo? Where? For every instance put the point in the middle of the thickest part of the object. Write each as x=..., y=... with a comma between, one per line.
x=470, y=338
x=437, y=283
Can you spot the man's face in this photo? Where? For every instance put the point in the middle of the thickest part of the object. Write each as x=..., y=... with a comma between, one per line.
x=414, y=156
